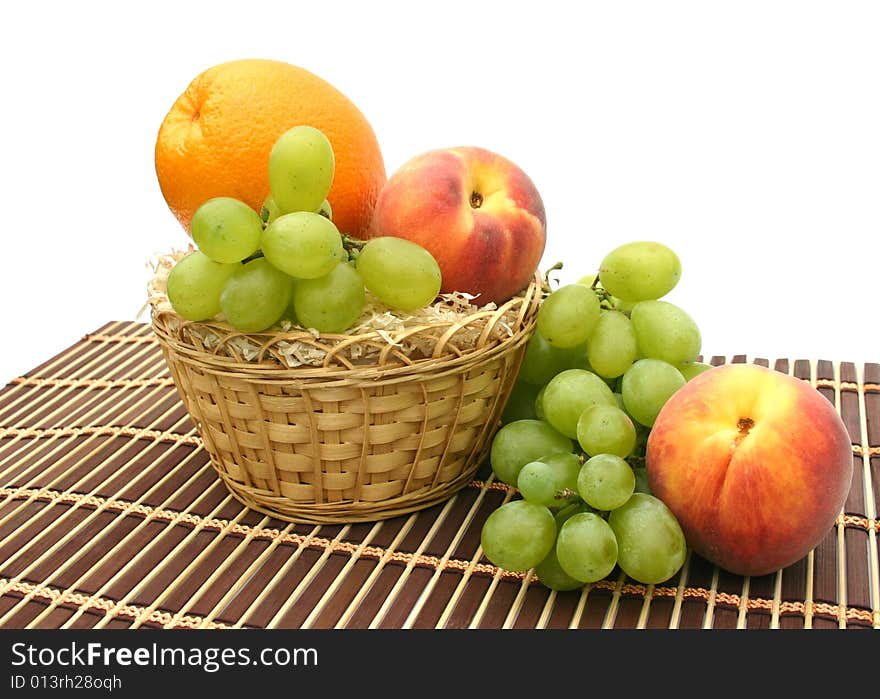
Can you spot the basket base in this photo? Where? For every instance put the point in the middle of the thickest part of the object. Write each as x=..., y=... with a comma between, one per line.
x=347, y=511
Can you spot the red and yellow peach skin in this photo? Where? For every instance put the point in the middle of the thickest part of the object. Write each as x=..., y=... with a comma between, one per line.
x=475, y=211
x=755, y=464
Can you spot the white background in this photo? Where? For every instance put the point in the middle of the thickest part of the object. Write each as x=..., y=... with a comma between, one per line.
x=745, y=135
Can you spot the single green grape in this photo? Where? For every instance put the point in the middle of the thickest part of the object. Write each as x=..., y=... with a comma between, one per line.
x=567, y=316
x=551, y=575
x=550, y=480
x=640, y=270
x=194, y=285
x=521, y=402
x=652, y=546
x=568, y=394
x=612, y=347
x=332, y=303
x=665, y=331
x=536, y=484
x=570, y=510
x=542, y=361
x=290, y=310
x=518, y=535
x=539, y=404
x=606, y=429
x=400, y=273
x=646, y=386
x=256, y=296
x=586, y=547
x=606, y=481
x=303, y=244
x=301, y=168
x=517, y=443
x=226, y=229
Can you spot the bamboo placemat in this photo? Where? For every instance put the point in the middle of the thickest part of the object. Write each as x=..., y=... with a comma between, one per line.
x=111, y=517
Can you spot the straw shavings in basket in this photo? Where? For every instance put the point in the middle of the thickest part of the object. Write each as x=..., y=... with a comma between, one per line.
x=413, y=335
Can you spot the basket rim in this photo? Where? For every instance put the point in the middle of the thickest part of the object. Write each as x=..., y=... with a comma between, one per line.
x=389, y=363
x=372, y=374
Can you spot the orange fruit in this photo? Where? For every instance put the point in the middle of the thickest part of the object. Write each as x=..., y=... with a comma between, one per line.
x=215, y=139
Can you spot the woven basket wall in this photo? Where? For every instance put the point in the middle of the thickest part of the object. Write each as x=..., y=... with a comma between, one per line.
x=371, y=433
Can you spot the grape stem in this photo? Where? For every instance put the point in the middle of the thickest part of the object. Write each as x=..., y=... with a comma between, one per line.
x=546, y=288
x=254, y=256
x=352, y=245
x=606, y=300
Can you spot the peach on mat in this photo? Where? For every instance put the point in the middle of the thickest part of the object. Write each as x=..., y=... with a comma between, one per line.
x=475, y=211
x=755, y=464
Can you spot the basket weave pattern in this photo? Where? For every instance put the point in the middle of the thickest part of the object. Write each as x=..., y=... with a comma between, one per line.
x=345, y=442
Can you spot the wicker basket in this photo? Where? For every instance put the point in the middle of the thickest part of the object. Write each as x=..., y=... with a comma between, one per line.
x=372, y=432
